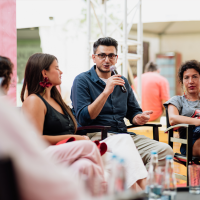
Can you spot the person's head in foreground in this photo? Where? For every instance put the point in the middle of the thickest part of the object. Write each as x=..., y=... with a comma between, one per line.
x=6, y=67
x=152, y=67
x=189, y=76
x=105, y=54
x=42, y=75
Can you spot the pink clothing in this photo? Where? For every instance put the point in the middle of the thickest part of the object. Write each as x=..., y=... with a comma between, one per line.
x=45, y=176
x=82, y=156
x=155, y=88
x=8, y=40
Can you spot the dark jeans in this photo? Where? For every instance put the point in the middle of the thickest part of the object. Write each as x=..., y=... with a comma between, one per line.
x=183, y=146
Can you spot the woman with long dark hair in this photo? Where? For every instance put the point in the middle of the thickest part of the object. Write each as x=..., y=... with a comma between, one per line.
x=53, y=118
x=55, y=121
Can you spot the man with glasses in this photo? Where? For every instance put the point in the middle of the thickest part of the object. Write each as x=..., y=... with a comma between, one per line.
x=97, y=99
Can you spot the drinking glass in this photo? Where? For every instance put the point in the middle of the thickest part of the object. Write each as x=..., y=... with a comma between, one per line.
x=194, y=179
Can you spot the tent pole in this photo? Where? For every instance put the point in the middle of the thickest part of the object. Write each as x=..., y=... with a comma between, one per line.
x=88, y=32
x=125, y=40
x=104, y=19
x=140, y=52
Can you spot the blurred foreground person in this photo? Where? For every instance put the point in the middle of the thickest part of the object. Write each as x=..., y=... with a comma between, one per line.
x=155, y=91
x=6, y=67
x=38, y=176
x=55, y=122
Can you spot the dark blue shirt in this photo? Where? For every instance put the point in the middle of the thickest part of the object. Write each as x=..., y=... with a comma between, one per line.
x=87, y=86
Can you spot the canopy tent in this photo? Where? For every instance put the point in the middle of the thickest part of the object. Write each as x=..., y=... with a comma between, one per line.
x=32, y=13
x=159, y=17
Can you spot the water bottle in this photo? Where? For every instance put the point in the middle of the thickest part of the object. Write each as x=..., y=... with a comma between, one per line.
x=120, y=182
x=113, y=174
x=153, y=188
x=169, y=186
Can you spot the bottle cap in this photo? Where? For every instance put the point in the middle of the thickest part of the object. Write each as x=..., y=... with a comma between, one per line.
x=114, y=156
x=169, y=157
x=121, y=160
x=153, y=152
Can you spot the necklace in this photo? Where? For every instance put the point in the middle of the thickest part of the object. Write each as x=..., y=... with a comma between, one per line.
x=190, y=99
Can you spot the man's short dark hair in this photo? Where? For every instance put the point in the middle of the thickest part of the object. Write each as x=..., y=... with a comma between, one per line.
x=106, y=41
x=151, y=67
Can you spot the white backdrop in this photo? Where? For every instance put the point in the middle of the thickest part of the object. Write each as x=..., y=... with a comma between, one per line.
x=69, y=48
x=65, y=35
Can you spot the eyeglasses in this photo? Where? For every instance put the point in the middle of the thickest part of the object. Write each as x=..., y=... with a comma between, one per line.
x=102, y=56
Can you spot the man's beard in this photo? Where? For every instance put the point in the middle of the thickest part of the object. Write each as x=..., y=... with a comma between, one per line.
x=102, y=70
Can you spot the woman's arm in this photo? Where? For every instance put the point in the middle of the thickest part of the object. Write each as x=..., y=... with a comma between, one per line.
x=35, y=111
x=175, y=118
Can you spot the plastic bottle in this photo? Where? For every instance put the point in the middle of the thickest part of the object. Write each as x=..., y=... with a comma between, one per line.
x=153, y=188
x=120, y=182
x=169, y=186
x=113, y=174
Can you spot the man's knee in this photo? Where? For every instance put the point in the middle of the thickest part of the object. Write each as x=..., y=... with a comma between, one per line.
x=169, y=151
x=87, y=167
x=165, y=149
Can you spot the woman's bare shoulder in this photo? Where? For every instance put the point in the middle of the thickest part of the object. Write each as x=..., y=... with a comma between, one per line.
x=33, y=101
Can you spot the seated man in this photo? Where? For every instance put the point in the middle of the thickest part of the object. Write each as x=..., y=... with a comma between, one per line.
x=97, y=99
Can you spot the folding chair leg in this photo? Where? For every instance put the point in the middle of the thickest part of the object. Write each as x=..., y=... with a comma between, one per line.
x=103, y=134
x=155, y=133
x=189, y=133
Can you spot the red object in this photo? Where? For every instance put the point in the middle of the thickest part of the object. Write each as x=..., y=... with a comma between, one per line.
x=101, y=146
x=45, y=83
x=196, y=114
x=96, y=142
x=71, y=139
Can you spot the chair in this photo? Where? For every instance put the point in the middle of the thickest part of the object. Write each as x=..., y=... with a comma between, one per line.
x=104, y=130
x=187, y=159
x=155, y=129
x=8, y=184
x=81, y=130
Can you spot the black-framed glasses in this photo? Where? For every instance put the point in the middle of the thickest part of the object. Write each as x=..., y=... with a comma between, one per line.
x=102, y=56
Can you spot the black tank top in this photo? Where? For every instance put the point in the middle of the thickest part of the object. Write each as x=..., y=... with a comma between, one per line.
x=56, y=123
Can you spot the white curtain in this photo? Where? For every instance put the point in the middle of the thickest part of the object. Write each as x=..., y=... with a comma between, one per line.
x=67, y=42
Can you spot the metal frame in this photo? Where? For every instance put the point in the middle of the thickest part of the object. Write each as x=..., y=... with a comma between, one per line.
x=187, y=141
x=123, y=40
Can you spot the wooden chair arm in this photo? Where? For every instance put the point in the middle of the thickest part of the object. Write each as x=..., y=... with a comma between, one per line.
x=104, y=129
x=179, y=126
x=155, y=129
x=94, y=127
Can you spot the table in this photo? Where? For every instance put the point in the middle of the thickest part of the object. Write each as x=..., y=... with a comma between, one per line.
x=182, y=194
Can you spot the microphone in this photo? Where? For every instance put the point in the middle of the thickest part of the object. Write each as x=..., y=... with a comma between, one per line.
x=113, y=69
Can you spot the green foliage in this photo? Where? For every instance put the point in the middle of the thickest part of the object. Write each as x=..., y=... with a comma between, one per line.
x=25, y=48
